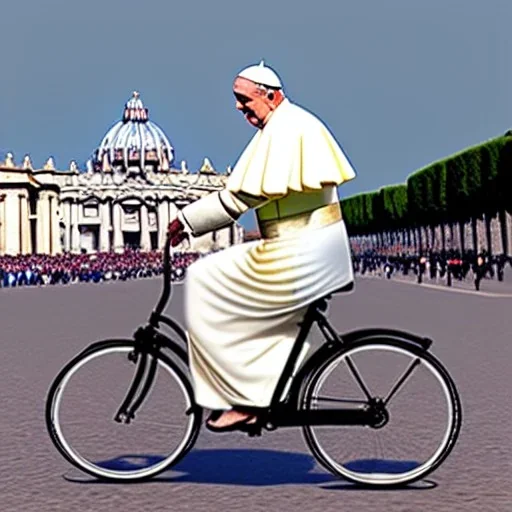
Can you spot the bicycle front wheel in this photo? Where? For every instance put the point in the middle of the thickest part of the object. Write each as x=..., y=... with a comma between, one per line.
x=85, y=397
x=421, y=412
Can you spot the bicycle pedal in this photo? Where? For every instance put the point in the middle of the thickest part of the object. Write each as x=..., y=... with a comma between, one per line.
x=253, y=430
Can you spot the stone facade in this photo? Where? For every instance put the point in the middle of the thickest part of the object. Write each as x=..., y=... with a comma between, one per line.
x=126, y=197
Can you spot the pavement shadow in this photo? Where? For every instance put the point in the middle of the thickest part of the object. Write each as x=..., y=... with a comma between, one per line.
x=254, y=468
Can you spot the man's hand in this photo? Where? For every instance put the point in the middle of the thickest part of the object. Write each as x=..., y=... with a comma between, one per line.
x=177, y=232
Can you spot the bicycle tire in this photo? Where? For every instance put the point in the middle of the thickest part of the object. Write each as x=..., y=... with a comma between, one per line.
x=308, y=385
x=127, y=345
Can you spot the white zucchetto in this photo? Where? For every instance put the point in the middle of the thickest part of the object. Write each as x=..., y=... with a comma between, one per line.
x=261, y=74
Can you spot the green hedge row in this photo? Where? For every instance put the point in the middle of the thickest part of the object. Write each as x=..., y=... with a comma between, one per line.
x=466, y=185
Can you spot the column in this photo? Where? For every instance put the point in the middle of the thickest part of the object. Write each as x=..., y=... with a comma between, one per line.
x=20, y=224
x=26, y=240
x=508, y=217
x=105, y=226
x=240, y=234
x=43, y=223
x=163, y=222
x=51, y=209
x=481, y=235
x=67, y=224
x=75, y=232
x=12, y=242
x=118, y=231
x=55, y=223
x=495, y=234
x=2, y=223
x=145, y=240
x=173, y=211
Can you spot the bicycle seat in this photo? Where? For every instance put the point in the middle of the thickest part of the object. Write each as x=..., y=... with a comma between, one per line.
x=347, y=288
x=322, y=303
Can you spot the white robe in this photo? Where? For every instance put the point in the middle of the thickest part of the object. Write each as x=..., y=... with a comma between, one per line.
x=243, y=304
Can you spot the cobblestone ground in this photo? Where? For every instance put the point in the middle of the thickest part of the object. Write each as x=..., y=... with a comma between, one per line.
x=41, y=329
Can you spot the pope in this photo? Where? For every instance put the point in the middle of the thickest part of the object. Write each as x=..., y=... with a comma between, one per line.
x=243, y=305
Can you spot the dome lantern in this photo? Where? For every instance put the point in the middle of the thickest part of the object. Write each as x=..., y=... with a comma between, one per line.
x=134, y=141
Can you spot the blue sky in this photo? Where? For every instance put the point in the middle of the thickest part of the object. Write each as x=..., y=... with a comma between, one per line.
x=400, y=83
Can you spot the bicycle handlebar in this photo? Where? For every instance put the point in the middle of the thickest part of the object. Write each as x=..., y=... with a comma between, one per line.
x=166, y=292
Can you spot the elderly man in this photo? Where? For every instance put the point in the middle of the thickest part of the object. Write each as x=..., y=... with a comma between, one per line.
x=243, y=305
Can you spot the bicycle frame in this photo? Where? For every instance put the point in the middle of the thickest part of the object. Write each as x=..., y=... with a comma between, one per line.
x=283, y=411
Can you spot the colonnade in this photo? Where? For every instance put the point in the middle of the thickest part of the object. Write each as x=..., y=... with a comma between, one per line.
x=111, y=224
x=43, y=224
x=23, y=231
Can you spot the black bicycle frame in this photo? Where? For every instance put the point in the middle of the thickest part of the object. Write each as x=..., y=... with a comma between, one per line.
x=283, y=411
x=149, y=340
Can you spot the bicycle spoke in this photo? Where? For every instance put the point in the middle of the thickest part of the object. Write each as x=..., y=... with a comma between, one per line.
x=340, y=400
x=356, y=375
x=397, y=386
x=380, y=450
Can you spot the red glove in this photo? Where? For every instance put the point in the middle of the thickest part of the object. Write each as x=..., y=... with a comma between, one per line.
x=176, y=231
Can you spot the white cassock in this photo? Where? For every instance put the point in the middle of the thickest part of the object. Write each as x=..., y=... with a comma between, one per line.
x=243, y=304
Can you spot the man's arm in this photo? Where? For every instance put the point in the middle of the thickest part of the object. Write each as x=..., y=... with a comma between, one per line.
x=216, y=211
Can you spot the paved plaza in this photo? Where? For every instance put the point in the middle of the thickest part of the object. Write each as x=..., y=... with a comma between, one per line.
x=42, y=329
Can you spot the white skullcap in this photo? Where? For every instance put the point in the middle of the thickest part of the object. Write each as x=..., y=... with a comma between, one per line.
x=262, y=75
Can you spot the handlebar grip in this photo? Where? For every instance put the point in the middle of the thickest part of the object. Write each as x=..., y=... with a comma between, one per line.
x=166, y=292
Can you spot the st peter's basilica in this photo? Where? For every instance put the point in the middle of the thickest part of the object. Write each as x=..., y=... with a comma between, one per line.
x=125, y=198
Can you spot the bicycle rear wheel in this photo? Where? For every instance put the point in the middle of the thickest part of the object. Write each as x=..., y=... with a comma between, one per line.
x=420, y=423
x=85, y=397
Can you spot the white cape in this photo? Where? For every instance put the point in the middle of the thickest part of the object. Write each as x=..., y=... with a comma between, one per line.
x=293, y=152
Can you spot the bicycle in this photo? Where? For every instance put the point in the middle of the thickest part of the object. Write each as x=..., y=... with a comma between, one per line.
x=296, y=401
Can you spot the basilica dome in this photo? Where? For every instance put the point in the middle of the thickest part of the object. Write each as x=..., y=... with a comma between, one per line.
x=134, y=141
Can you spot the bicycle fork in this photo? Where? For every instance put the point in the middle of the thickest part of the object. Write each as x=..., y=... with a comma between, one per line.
x=139, y=356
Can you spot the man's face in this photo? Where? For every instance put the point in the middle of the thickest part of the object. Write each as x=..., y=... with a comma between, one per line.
x=251, y=101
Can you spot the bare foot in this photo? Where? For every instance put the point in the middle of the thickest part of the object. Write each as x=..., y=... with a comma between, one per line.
x=231, y=417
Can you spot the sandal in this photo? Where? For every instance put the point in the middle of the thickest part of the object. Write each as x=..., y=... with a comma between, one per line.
x=214, y=415
x=238, y=425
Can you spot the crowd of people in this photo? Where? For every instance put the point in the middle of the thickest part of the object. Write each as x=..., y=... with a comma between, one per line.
x=67, y=268
x=445, y=265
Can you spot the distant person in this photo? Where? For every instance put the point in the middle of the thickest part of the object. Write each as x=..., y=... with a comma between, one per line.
x=479, y=270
